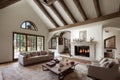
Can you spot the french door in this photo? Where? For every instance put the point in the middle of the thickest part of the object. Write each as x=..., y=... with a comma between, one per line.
x=26, y=42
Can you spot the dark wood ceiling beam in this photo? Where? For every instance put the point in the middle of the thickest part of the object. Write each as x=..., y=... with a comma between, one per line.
x=46, y=13
x=53, y=8
x=79, y=7
x=97, y=7
x=62, y=3
x=6, y=3
x=98, y=19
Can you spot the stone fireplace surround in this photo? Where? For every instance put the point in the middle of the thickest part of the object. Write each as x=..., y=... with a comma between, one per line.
x=92, y=46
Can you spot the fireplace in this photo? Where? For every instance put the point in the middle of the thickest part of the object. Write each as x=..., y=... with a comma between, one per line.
x=89, y=51
x=82, y=51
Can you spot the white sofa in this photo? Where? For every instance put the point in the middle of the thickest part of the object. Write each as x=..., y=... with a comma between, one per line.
x=26, y=58
x=108, y=70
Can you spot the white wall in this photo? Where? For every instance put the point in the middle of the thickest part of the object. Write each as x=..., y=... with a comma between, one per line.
x=67, y=35
x=92, y=31
x=10, y=20
x=113, y=32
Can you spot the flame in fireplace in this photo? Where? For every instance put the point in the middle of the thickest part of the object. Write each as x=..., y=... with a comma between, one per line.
x=84, y=50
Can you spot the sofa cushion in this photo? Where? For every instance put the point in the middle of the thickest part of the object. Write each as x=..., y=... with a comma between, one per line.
x=43, y=52
x=28, y=55
x=50, y=53
x=38, y=53
x=24, y=54
x=33, y=53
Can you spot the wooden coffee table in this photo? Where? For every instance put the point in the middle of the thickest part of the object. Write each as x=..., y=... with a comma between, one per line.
x=60, y=71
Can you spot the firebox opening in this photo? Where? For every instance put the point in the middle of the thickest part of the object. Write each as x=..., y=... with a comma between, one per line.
x=82, y=51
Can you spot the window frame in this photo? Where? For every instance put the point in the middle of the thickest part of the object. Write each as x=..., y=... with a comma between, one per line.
x=53, y=44
x=34, y=26
x=26, y=35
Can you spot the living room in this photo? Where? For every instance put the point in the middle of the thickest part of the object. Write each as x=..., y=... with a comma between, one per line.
x=90, y=27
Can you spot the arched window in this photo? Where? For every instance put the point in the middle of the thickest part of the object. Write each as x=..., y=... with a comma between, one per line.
x=28, y=25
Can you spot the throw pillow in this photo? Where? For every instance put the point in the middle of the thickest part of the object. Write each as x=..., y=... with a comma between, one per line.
x=43, y=53
x=103, y=60
x=106, y=64
x=38, y=53
x=24, y=54
x=33, y=53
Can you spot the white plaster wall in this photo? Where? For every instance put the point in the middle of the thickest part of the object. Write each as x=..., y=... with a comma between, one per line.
x=10, y=20
x=67, y=35
x=113, y=32
x=92, y=31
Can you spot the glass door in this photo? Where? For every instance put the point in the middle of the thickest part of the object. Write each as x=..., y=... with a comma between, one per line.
x=19, y=44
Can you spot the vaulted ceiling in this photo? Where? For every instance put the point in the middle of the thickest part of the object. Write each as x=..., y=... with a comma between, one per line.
x=62, y=14
x=70, y=13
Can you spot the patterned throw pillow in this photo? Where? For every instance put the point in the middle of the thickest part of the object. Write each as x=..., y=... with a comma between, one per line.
x=106, y=64
x=103, y=60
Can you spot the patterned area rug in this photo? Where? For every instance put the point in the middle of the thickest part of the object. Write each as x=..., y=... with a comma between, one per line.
x=14, y=71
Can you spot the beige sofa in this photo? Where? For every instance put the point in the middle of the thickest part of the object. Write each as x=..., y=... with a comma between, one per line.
x=108, y=69
x=26, y=58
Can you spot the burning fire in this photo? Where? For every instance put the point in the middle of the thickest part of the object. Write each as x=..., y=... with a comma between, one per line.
x=84, y=51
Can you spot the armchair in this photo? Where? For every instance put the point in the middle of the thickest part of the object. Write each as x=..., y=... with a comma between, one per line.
x=110, y=72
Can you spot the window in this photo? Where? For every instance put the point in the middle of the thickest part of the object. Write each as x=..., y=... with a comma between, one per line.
x=53, y=43
x=28, y=25
x=26, y=42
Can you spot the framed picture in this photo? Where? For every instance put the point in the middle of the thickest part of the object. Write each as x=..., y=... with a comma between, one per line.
x=83, y=35
x=110, y=42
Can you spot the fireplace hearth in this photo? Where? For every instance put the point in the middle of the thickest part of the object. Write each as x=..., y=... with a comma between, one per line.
x=82, y=51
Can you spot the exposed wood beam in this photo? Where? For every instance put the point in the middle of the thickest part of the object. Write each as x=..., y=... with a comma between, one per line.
x=6, y=3
x=79, y=6
x=48, y=2
x=62, y=3
x=46, y=13
x=57, y=14
x=97, y=7
x=102, y=18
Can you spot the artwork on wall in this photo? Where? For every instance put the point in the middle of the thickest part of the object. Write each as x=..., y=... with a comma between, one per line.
x=83, y=35
x=110, y=42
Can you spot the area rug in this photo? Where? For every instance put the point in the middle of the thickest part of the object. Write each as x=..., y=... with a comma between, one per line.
x=15, y=71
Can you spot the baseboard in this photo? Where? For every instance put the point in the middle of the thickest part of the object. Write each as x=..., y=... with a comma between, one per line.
x=6, y=62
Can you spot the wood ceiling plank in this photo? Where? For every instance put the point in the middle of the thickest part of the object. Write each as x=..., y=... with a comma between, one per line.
x=6, y=3
x=97, y=7
x=53, y=8
x=64, y=6
x=81, y=10
x=46, y=13
x=102, y=18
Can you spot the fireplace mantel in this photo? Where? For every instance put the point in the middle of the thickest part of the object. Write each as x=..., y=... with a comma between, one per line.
x=92, y=46
x=84, y=43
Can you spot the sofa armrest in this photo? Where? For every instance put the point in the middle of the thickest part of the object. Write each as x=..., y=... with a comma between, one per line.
x=21, y=59
x=102, y=73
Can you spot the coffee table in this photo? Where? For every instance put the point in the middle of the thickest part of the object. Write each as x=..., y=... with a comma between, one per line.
x=61, y=71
